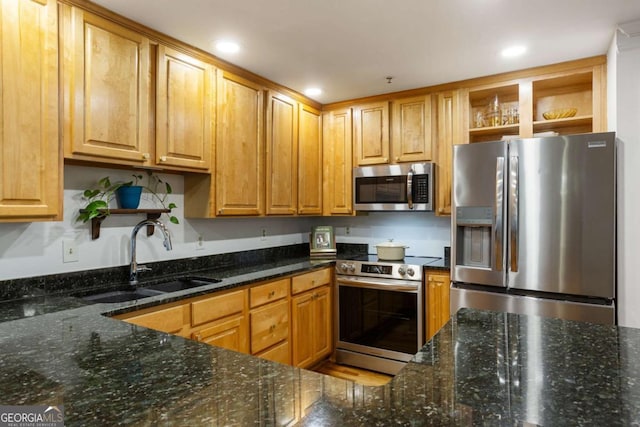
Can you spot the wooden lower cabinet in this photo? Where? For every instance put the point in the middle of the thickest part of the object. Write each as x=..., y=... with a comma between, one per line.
x=173, y=319
x=263, y=320
x=311, y=318
x=437, y=301
x=269, y=321
x=280, y=353
x=269, y=326
x=228, y=333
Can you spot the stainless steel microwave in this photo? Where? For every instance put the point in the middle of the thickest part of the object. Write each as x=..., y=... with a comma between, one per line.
x=401, y=187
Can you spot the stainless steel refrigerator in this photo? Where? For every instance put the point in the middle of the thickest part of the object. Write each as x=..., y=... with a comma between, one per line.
x=534, y=226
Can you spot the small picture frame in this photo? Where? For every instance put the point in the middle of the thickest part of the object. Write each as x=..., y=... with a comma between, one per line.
x=322, y=242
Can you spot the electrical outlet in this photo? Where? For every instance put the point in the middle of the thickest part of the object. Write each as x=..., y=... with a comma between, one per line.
x=70, y=251
x=263, y=235
x=200, y=243
x=347, y=230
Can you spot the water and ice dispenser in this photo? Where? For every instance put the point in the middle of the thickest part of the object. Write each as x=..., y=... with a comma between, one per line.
x=473, y=236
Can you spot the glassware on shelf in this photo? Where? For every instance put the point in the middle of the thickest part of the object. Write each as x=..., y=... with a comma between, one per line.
x=478, y=119
x=510, y=115
x=493, y=112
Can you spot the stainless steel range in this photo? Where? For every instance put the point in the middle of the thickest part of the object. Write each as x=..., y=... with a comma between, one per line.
x=380, y=312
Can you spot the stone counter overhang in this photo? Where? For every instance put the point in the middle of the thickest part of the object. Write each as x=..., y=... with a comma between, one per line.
x=482, y=368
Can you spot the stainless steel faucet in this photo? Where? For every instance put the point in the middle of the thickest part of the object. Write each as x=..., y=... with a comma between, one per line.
x=134, y=268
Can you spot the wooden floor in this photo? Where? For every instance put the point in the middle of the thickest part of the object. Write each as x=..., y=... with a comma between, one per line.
x=357, y=375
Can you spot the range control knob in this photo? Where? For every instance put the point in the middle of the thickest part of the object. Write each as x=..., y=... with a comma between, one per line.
x=402, y=270
x=410, y=272
x=352, y=268
x=344, y=267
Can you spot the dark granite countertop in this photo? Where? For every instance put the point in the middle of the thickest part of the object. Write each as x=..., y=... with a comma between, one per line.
x=481, y=368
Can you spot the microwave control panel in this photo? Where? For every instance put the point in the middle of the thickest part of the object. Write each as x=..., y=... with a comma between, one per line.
x=421, y=189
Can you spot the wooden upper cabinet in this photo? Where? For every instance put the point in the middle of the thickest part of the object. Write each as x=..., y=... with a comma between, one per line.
x=371, y=129
x=106, y=90
x=337, y=162
x=31, y=179
x=451, y=119
x=185, y=99
x=309, y=161
x=411, y=129
x=282, y=155
x=239, y=146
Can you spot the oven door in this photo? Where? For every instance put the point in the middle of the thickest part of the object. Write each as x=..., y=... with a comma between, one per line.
x=379, y=317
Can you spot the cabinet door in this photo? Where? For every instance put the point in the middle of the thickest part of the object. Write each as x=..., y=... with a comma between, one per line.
x=450, y=131
x=184, y=110
x=311, y=330
x=31, y=179
x=337, y=162
x=371, y=129
x=280, y=353
x=173, y=320
x=229, y=333
x=282, y=155
x=239, y=147
x=412, y=130
x=309, y=161
x=302, y=336
x=106, y=90
x=269, y=325
x=438, y=312
x=323, y=322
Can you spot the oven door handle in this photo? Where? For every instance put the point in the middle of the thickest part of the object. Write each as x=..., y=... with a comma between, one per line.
x=371, y=284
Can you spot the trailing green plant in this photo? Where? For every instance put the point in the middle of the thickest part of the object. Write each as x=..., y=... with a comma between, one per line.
x=100, y=196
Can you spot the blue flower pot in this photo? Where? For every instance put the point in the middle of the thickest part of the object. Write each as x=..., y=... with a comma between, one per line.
x=129, y=196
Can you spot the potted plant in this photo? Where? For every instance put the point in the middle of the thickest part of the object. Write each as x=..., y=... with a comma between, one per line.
x=127, y=195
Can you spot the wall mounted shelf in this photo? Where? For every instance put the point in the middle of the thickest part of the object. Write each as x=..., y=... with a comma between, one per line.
x=151, y=214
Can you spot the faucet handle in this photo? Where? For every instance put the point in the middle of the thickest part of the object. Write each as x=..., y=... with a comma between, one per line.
x=143, y=268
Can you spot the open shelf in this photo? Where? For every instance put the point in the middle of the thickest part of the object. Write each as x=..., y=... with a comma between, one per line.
x=566, y=126
x=97, y=221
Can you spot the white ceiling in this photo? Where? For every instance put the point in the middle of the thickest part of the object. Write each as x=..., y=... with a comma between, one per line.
x=348, y=47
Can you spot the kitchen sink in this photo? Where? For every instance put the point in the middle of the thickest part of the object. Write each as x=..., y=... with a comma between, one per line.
x=188, y=282
x=121, y=295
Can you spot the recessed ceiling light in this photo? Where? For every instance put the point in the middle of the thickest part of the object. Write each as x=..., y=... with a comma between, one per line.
x=227, y=46
x=513, y=51
x=313, y=91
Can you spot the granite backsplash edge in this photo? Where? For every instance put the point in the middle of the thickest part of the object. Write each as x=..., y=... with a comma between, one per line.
x=71, y=282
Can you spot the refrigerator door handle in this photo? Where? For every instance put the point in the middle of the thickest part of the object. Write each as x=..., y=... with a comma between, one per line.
x=513, y=212
x=499, y=220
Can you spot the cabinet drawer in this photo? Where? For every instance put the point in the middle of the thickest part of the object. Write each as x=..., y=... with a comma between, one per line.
x=217, y=307
x=280, y=353
x=269, y=325
x=170, y=320
x=230, y=334
x=307, y=281
x=268, y=292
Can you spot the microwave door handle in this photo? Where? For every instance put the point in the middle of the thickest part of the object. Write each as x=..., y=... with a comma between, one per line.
x=513, y=212
x=410, y=189
x=499, y=214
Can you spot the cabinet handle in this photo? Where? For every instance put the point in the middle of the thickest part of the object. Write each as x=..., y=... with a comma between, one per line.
x=272, y=328
x=146, y=156
x=272, y=294
x=163, y=159
x=397, y=159
x=198, y=337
